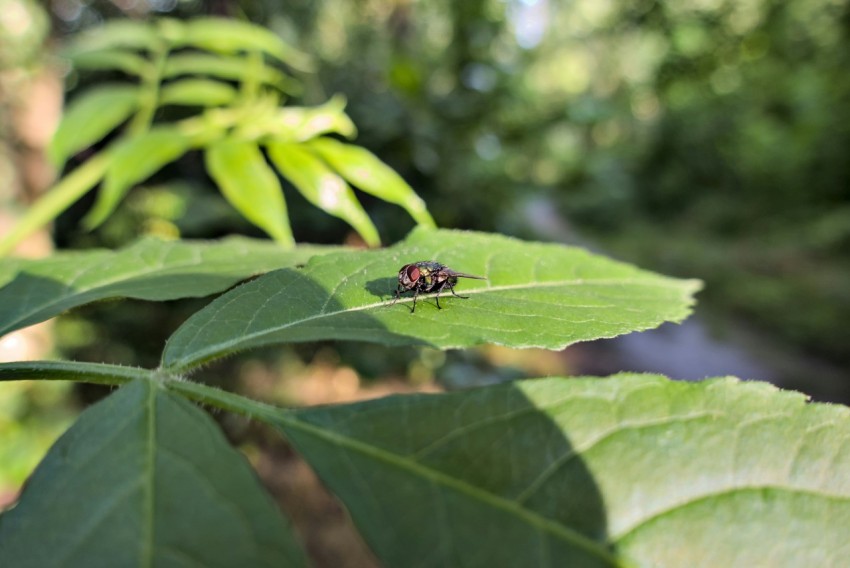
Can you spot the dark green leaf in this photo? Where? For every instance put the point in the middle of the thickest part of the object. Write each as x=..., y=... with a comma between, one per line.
x=321, y=187
x=134, y=160
x=232, y=36
x=144, y=478
x=90, y=117
x=197, y=92
x=634, y=470
x=250, y=185
x=535, y=295
x=36, y=290
x=364, y=170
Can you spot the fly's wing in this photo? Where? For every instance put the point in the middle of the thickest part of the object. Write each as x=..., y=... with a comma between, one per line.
x=454, y=274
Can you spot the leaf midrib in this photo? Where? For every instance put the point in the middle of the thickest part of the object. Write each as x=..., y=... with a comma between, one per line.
x=441, y=479
x=226, y=346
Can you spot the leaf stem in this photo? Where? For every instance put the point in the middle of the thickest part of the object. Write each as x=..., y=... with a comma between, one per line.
x=68, y=190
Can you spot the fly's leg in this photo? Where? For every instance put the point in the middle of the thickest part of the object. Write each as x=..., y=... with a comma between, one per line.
x=455, y=294
x=398, y=292
x=415, y=294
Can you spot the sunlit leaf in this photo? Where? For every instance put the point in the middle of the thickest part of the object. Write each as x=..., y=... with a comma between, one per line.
x=197, y=92
x=134, y=160
x=364, y=170
x=36, y=290
x=90, y=117
x=250, y=185
x=144, y=478
x=535, y=295
x=322, y=187
x=633, y=470
x=297, y=124
x=225, y=67
x=231, y=36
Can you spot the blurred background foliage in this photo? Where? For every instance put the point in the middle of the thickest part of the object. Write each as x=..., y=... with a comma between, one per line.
x=706, y=139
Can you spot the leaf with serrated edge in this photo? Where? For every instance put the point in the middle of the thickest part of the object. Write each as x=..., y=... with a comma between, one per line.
x=150, y=269
x=144, y=478
x=631, y=470
x=535, y=295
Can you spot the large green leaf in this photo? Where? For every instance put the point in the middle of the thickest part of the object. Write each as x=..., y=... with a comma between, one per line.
x=631, y=470
x=90, y=117
x=250, y=185
x=535, y=295
x=144, y=478
x=134, y=160
x=35, y=290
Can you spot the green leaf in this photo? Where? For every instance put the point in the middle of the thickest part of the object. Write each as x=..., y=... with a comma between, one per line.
x=631, y=470
x=321, y=187
x=231, y=36
x=197, y=92
x=112, y=60
x=250, y=185
x=150, y=269
x=135, y=159
x=90, y=117
x=127, y=33
x=364, y=170
x=535, y=295
x=226, y=67
x=297, y=124
x=144, y=478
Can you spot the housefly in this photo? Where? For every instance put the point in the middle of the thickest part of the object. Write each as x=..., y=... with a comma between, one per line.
x=428, y=276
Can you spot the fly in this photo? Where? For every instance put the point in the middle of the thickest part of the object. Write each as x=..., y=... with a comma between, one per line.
x=428, y=276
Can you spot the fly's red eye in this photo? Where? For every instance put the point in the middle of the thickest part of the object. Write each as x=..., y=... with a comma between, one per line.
x=413, y=273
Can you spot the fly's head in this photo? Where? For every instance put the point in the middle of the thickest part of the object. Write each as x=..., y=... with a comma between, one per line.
x=409, y=276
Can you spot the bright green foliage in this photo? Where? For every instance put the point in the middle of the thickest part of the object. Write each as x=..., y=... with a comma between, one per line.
x=250, y=185
x=187, y=63
x=91, y=117
x=322, y=187
x=35, y=290
x=535, y=295
x=134, y=160
x=159, y=486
